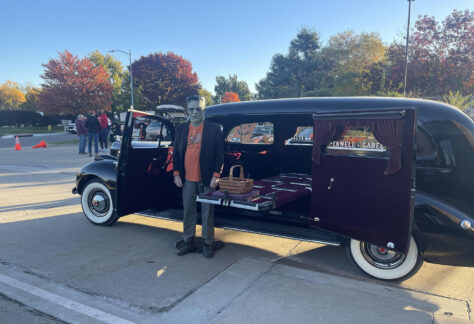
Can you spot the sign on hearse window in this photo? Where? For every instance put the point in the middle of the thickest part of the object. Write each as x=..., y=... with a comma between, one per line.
x=357, y=139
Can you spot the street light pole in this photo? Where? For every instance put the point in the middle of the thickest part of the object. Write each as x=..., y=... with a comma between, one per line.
x=406, y=49
x=129, y=53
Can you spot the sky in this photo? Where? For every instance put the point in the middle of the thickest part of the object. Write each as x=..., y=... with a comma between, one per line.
x=217, y=37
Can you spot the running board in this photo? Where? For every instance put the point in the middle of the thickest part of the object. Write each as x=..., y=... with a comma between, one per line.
x=245, y=224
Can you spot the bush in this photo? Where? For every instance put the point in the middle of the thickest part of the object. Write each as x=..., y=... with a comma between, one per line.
x=28, y=118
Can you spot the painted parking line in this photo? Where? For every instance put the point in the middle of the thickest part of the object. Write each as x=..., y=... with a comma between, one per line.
x=62, y=301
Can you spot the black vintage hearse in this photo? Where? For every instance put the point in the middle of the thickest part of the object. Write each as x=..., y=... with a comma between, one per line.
x=390, y=179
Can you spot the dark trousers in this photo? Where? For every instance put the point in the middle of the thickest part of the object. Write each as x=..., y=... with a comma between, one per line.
x=90, y=137
x=103, y=138
x=190, y=190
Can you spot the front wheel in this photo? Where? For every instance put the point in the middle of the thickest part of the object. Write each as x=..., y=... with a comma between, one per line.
x=382, y=263
x=97, y=203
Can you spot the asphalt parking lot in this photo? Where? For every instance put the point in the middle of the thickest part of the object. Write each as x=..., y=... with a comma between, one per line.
x=56, y=266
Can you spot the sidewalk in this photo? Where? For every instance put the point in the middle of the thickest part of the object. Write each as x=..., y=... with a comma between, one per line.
x=249, y=291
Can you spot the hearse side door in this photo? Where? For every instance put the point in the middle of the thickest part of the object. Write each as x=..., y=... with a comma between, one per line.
x=361, y=188
x=143, y=181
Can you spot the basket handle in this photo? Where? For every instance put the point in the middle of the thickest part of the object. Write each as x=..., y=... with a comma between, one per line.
x=231, y=172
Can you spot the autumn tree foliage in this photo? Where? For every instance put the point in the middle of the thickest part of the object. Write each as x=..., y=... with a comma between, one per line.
x=73, y=85
x=11, y=96
x=230, y=97
x=164, y=79
x=441, y=56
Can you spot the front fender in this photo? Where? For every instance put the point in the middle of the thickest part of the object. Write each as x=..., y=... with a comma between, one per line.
x=103, y=170
x=437, y=229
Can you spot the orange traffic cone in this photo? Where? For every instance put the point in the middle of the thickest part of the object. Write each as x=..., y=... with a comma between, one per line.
x=17, y=144
x=41, y=144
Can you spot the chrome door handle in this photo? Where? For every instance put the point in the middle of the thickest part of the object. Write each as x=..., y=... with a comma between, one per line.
x=331, y=182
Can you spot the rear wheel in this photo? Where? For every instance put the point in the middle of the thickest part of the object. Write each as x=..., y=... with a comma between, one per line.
x=97, y=203
x=383, y=263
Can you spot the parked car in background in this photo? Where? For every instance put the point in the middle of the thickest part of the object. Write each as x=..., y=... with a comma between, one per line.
x=147, y=129
x=390, y=179
x=70, y=128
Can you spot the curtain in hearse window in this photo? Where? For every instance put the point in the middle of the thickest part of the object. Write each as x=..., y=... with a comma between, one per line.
x=386, y=132
x=252, y=133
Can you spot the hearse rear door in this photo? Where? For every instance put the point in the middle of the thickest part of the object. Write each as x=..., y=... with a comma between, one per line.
x=363, y=175
x=143, y=181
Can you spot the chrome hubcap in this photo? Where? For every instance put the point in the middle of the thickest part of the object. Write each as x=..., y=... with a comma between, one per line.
x=99, y=203
x=381, y=257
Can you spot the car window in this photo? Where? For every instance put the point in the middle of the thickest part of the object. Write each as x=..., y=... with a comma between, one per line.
x=302, y=136
x=357, y=140
x=424, y=144
x=148, y=130
x=251, y=133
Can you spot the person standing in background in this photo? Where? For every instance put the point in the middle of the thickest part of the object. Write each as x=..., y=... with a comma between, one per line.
x=104, y=130
x=82, y=133
x=93, y=128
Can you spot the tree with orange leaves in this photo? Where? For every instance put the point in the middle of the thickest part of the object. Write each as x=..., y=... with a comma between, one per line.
x=230, y=97
x=73, y=85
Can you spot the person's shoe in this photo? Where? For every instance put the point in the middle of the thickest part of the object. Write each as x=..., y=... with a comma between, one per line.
x=97, y=154
x=90, y=154
x=207, y=251
x=187, y=248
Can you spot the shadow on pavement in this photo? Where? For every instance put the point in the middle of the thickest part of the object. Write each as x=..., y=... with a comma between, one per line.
x=136, y=264
x=41, y=205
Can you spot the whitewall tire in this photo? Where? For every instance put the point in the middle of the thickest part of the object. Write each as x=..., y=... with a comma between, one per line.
x=97, y=203
x=382, y=263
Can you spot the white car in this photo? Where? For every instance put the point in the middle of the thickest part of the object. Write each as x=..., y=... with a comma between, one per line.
x=70, y=128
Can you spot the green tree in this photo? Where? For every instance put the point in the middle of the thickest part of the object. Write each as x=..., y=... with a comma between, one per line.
x=11, y=96
x=117, y=77
x=207, y=95
x=355, y=59
x=297, y=73
x=457, y=100
x=31, y=96
x=231, y=84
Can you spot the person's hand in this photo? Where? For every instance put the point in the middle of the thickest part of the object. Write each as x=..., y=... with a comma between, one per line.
x=177, y=181
x=214, y=182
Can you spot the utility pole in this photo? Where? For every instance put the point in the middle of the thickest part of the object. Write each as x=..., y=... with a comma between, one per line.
x=406, y=50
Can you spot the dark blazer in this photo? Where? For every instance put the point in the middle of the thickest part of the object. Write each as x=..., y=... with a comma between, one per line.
x=211, y=158
x=92, y=124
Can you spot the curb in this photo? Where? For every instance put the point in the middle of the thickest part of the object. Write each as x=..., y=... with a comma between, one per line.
x=31, y=135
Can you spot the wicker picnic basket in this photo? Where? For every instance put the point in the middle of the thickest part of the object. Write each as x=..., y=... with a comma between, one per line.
x=238, y=185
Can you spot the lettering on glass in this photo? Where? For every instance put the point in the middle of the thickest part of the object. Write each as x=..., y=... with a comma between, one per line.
x=365, y=145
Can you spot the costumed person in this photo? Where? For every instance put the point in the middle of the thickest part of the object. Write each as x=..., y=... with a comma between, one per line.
x=198, y=159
